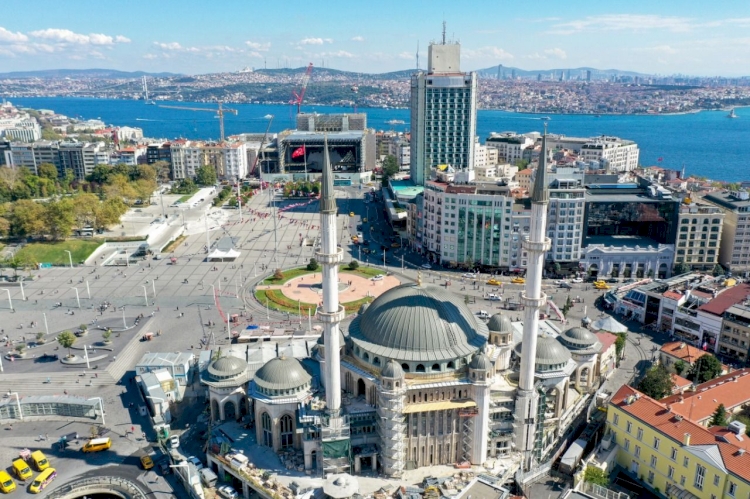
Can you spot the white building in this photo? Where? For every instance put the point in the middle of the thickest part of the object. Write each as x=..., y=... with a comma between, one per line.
x=22, y=129
x=230, y=160
x=734, y=253
x=698, y=241
x=509, y=145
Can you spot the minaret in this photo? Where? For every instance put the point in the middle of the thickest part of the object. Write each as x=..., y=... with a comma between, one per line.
x=330, y=256
x=536, y=245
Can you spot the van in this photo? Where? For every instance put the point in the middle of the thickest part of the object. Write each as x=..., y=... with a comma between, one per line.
x=483, y=314
x=40, y=460
x=7, y=484
x=208, y=477
x=97, y=444
x=21, y=469
x=41, y=481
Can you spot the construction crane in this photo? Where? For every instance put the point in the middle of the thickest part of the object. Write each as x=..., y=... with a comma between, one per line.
x=219, y=112
x=260, y=149
x=303, y=86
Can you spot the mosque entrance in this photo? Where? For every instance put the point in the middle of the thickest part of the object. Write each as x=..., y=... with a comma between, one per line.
x=361, y=389
x=230, y=410
x=265, y=422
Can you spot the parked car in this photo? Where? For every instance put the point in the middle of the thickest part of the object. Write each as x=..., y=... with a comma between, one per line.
x=197, y=462
x=426, y=266
x=469, y=275
x=577, y=280
x=227, y=492
x=174, y=442
x=377, y=278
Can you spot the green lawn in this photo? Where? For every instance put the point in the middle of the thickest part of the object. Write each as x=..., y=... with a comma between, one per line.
x=362, y=270
x=288, y=274
x=55, y=254
x=277, y=301
x=186, y=197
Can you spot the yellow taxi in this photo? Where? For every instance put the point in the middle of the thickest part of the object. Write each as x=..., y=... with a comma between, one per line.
x=147, y=462
x=494, y=282
x=601, y=285
x=518, y=280
x=351, y=213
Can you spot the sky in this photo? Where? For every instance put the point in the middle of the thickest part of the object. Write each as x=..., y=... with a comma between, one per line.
x=193, y=37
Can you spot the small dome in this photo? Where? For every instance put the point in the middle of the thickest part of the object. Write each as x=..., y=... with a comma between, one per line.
x=342, y=339
x=227, y=367
x=282, y=373
x=550, y=353
x=579, y=338
x=499, y=323
x=392, y=369
x=480, y=362
x=363, y=308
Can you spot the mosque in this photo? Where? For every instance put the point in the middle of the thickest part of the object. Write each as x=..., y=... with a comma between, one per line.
x=414, y=380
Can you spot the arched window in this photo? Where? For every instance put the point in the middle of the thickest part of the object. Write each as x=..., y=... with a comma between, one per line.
x=420, y=368
x=376, y=361
x=405, y=367
x=286, y=427
x=265, y=421
x=436, y=367
x=366, y=356
x=451, y=365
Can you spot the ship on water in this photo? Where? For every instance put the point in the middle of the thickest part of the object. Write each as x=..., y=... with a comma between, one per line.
x=396, y=122
x=732, y=114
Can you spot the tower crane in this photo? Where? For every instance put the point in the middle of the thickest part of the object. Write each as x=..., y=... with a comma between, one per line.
x=303, y=86
x=219, y=112
x=260, y=149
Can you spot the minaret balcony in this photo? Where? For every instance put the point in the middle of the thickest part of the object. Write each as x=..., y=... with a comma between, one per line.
x=332, y=317
x=330, y=259
x=537, y=246
x=533, y=302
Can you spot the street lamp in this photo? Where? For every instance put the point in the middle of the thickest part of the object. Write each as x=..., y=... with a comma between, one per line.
x=9, y=300
x=78, y=298
x=18, y=404
x=70, y=257
x=101, y=407
x=145, y=294
x=183, y=464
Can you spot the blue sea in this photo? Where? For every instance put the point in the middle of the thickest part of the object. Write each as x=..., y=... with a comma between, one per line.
x=706, y=143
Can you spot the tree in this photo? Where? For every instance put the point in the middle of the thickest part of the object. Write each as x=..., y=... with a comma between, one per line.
x=313, y=265
x=84, y=209
x=681, y=268
x=705, y=369
x=278, y=275
x=59, y=218
x=119, y=186
x=20, y=348
x=47, y=170
x=657, y=383
x=620, y=344
x=719, y=417
x=390, y=168
x=717, y=270
x=147, y=172
x=28, y=218
x=40, y=337
x=144, y=189
x=205, y=175
x=596, y=476
x=163, y=170
x=106, y=334
x=100, y=174
x=521, y=163
x=680, y=366
x=109, y=213
x=558, y=268
x=66, y=340
x=353, y=265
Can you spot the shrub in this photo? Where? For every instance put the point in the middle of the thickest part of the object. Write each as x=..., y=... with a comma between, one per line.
x=313, y=265
x=353, y=265
x=278, y=274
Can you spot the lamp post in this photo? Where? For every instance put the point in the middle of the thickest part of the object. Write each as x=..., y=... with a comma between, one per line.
x=46, y=328
x=183, y=464
x=145, y=294
x=88, y=290
x=101, y=407
x=18, y=404
x=86, y=354
x=9, y=300
x=124, y=324
x=153, y=287
x=23, y=295
x=70, y=257
x=78, y=298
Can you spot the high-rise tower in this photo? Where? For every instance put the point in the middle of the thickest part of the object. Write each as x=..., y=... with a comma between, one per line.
x=335, y=441
x=443, y=113
x=536, y=245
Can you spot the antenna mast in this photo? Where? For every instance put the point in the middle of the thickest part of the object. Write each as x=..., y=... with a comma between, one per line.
x=443, y=32
x=417, y=55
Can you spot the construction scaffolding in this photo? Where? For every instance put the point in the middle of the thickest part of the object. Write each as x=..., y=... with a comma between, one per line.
x=392, y=429
x=335, y=442
x=467, y=438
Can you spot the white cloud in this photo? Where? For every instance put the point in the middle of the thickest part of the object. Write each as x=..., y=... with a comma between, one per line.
x=339, y=53
x=260, y=47
x=627, y=22
x=358, y=38
x=658, y=49
x=406, y=55
x=10, y=37
x=150, y=56
x=556, y=52
x=315, y=41
x=168, y=46
x=487, y=53
x=69, y=37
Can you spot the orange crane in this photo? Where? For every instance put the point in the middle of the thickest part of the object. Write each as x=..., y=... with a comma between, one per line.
x=260, y=149
x=219, y=112
x=299, y=97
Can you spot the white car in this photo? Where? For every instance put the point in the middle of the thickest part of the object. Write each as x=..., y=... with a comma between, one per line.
x=227, y=492
x=174, y=441
x=426, y=266
x=577, y=280
x=469, y=275
x=493, y=297
x=196, y=462
x=378, y=277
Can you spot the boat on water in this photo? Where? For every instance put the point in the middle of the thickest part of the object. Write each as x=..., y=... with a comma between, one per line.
x=268, y=116
x=732, y=114
x=151, y=103
x=396, y=122
x=546, y=118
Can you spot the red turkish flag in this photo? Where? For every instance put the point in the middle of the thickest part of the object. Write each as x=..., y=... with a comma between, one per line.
x=300, y=151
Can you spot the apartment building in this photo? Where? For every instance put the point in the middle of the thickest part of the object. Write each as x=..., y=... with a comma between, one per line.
x=611, y=153
x=674, y=456
x=510, y=146
x=565, y=220
x=228, y=159
x=734, y=342
x=80, y=158
x=734, y=250
x=699, y=235
x=23, y=129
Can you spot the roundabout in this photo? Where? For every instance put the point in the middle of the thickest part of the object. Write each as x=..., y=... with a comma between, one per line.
x=302, y=293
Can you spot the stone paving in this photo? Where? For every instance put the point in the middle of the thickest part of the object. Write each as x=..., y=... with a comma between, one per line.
x=353, y=287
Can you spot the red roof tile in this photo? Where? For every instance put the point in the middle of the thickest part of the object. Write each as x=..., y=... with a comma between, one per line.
x=683, y=351
x=672, y=294
x=723, y=301
x=606, y=339
x=732, y=390
x=680, y=383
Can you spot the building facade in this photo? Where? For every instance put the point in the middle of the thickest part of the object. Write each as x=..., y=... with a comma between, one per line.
x=734, y=342
x=699, y=237
x=734, y=251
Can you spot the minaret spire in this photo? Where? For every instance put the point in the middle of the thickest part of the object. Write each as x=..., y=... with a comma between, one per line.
x=540, y=193
x=327, y=198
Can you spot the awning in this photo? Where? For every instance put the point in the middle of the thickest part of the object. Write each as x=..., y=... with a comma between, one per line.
x=439, y=406
x=679, y=493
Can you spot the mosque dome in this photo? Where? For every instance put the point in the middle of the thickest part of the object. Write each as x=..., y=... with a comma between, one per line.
x=322, y=339
x=499, y=323
x=579, y=338
x=419, y=323
x=551, y=355
x=282, y=373
x=392, y=369
x=227, y=367
x=480, y=362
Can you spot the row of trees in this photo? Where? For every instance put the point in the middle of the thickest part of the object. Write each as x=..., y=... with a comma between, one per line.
x=657, y=383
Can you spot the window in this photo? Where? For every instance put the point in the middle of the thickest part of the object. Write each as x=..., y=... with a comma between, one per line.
x=617, y=419
x=650, y=476
x=629, y=427
x=637, y=451
x=732, y=489
x=674, y=454
x=639, y=435
x=682, y=480
x=656, y=443
x=653, y=461
x=700, y=473
x=685, y=462
x=627, y=445
x=670, y=473
x=716, y=479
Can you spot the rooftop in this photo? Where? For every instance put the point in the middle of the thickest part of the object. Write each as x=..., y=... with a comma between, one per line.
x=731, y=296
x=683, y=351
x=732, y=390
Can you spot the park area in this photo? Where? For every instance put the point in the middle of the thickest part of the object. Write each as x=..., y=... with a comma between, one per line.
x=55, y=253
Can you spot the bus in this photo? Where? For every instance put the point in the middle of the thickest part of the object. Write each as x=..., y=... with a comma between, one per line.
x=44, y=478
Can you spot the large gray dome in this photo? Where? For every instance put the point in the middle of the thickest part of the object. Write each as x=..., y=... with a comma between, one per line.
x=418, y=323
x=499, y=323
x=392, y=369
x=282, y=373
x=227, y=367
x=480, y=362
x=580, y=338
x=550, y=353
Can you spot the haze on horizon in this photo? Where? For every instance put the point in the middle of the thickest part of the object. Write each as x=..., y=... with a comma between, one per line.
x=668, y=37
